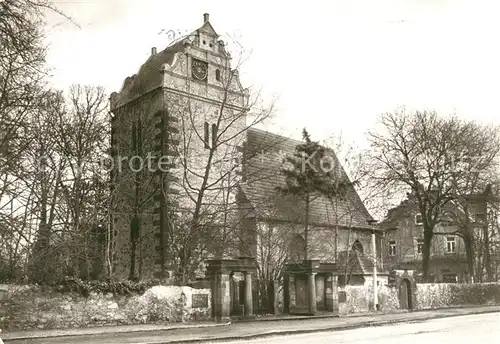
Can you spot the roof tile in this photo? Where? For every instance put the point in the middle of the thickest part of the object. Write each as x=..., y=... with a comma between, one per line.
x=264, y=157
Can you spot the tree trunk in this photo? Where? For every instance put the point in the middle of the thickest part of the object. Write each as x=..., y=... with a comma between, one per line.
x=134, y=224
x=469, y=251
x=336, y=241
x=347, y=259
x=41, y=246
x=487, y=258
x=134, y=233
x=306, y=229
x=426, y=254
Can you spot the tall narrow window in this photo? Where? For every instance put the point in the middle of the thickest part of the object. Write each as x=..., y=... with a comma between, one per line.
x=214, y=135
x=217, y=75
x=392, y=248
x=420, y=246
x=450, y=244
x=207, y=135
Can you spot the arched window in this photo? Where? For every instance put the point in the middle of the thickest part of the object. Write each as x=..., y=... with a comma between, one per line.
x=217, y=75
x=357, y=247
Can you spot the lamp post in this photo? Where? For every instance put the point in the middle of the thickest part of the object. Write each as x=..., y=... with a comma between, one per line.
x=374, y=249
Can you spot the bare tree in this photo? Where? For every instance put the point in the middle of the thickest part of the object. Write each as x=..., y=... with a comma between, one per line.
x=419, y=151
x=22, y=95
x=22, y=79
x=43, y=168
x=80, y=136
x=210, y=139
x=22, y=58
x=61, y=191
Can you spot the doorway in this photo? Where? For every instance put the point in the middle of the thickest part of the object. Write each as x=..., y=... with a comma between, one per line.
x=405, y=294
x=301, y=292
x=321, y=292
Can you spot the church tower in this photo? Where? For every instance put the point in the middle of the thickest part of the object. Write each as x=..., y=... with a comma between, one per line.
x=183, y=111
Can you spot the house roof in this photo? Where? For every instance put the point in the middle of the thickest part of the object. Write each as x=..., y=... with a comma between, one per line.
x=263, y=163
x=409, y=206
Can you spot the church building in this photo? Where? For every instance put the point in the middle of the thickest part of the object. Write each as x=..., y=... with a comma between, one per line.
x=183, y=148
x=184, y=110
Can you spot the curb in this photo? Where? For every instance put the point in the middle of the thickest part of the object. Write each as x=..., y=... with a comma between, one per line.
x=295, y=318
x=360, y=315
x=97, y=333
x=369, y=323
x=314, y=330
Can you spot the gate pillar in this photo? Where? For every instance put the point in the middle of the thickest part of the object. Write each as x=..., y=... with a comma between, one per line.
x=295, y=272
x=311, y=292
x=219, y=271
x=248, y=294
x=221, y=297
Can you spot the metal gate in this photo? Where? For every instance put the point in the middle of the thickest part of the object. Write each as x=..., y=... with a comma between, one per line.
x=263, y=297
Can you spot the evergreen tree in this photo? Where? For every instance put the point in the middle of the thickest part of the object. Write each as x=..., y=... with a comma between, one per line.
x=312, y=172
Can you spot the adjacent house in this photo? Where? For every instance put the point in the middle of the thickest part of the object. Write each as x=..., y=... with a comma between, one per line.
x=403, y=244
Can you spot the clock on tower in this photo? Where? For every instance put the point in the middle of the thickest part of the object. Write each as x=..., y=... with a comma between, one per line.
x=199, y=70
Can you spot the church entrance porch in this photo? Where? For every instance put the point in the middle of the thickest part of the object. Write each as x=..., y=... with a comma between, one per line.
x=310, y=287
x=229, y=296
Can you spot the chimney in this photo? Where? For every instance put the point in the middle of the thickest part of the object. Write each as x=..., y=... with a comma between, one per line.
x=153, y=51
x=205, y=18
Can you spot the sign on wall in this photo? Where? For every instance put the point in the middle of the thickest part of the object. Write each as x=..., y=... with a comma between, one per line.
x=342, y=296
x=200, y=301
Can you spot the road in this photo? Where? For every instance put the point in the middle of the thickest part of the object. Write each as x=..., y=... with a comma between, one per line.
x=479, y=328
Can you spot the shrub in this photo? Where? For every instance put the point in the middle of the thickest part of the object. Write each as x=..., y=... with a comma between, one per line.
x=115, y=287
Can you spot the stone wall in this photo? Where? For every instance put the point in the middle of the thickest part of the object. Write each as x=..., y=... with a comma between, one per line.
x=442, y=295
x=35, y=307
x=359, y=299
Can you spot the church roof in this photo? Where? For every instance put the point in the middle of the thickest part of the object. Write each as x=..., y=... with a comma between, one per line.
x=150, y=74
x=264, y=154
x=357, y=263
x=207, y=27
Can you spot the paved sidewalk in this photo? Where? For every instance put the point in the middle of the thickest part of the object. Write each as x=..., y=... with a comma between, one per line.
x=98, y=330
x=240, y=330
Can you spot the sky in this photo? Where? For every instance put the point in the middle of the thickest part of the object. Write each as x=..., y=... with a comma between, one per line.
x=332, y=65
